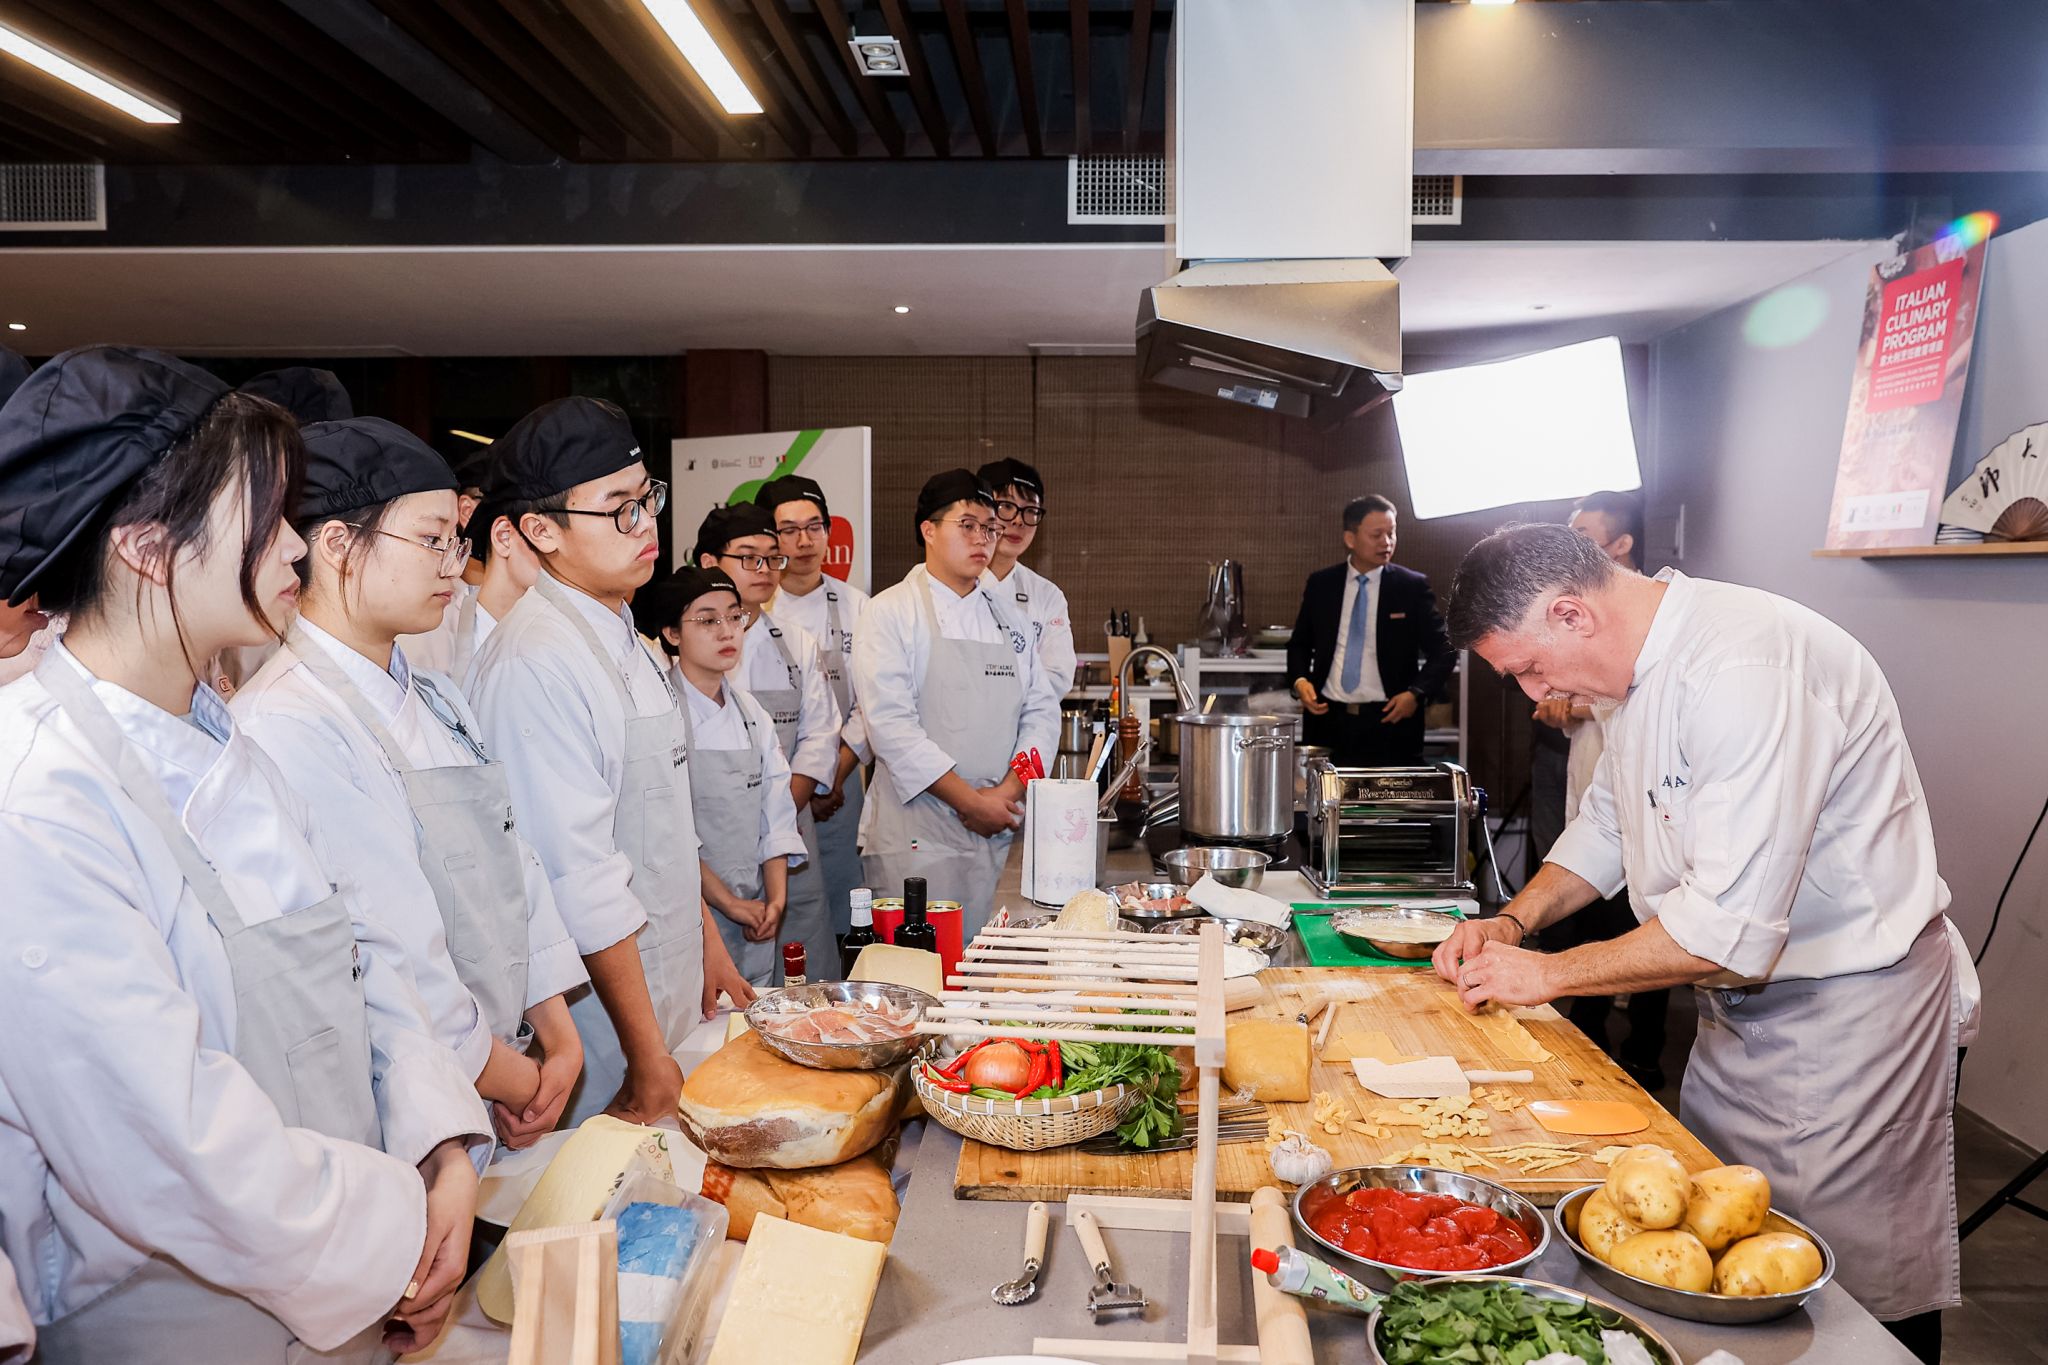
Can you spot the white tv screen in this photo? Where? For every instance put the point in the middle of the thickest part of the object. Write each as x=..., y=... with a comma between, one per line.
x=1534, y=429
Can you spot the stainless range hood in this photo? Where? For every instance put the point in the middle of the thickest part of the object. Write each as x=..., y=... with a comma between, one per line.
x=1290, y=157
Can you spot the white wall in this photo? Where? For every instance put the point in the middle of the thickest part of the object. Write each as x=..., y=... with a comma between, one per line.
x=1746, y=439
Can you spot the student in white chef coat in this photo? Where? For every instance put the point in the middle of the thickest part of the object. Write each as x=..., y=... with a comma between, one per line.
x=780, y=668
x=1758, y=797
x=829, y=608
x=1020, y=507
x=225, y=1133
x=18, y=625
x=952, y=689
x=449, y=645
x=388, y=759
x=587, y=727
x=739, y=779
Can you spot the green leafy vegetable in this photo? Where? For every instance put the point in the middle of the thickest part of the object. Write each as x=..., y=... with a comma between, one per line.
x=1151, y=1071
x=1436, y=1323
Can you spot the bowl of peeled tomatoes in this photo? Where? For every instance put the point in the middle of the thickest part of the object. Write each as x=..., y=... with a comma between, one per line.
x=1399, y=1223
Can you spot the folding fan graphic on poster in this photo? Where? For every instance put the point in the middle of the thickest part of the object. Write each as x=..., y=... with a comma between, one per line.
x=2005, y=497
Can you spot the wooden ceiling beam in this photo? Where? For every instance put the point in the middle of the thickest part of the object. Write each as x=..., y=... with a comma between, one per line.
x=775, y=105
x=39, y=107
x=867, y=89
x=1140, y=67
x=980, y=110
x=1027, y=84
x=923, y=94
x=1084, y=133
x=452, y=43
x=596, y=68
x=796, y=56
x=530, y=62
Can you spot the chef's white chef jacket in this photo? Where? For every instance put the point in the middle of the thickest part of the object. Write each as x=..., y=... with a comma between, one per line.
x=889, y=659
x=818, y=719
x=551, y=713
x=1052, y=624
x=814, y=614
x=332, y=760
x=1757, y=787
x=125, y=1124
x=713, y=726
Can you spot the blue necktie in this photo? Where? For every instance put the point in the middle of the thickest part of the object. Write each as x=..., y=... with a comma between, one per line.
x=1354, y=643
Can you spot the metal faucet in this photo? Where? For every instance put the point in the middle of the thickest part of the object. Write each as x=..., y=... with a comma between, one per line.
x=1180, y=684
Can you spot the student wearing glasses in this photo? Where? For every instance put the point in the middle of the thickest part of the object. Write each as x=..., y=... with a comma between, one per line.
x=951, y=689
x=779, y=668
x=595, y=749
x=1020, y=507
x=386, y=757
x=739, y=778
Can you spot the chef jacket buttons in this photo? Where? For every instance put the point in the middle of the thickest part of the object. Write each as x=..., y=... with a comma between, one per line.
x=34, y=956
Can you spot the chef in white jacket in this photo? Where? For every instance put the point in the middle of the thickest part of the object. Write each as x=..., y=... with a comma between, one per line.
x=18, y=625
x=225, y=1132
x=388, y=758
x=829, y=608
x=1020, y=507
x=951, y=689
x=1758, y=797
x=450, y=643
x=780, y=668
x=586, y=724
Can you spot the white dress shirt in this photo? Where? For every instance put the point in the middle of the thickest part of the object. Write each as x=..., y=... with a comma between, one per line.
x=1052, y=625
x=1370, y=687
x=551, y=711
x=126, y=1125
x=889, y=658
x=814, y=614
x=818, y=719
x=331, y=759
x=717, y=726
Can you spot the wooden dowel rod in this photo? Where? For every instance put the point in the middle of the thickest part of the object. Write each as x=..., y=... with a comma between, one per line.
x=1084, y=1035
x=1065, y=998
x=1031, y=986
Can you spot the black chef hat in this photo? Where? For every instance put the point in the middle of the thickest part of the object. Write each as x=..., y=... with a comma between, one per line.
x=947, y=487
x=726, y=524
x=792, y=488
x=74, y=437
x=13, y=372
x=662, y=601
x=1001, y=474
x=309, y=394
x=559, y=445
x=363, y=462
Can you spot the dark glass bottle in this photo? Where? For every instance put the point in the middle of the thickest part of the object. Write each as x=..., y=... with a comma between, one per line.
x=861, y=904
x=916, y=931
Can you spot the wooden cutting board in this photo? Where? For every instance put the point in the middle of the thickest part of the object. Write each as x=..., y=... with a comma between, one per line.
x=1421, y=1014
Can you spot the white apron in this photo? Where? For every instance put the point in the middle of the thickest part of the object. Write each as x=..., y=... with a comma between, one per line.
x=301, y=1031
x=644, y=828
x=806, y=920
x=727, y=789
x=1841, y=1091
x=838, y=839
x=468, y=850
x=969, y=704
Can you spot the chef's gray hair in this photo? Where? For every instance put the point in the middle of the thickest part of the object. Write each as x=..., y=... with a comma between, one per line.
x=1507, y=573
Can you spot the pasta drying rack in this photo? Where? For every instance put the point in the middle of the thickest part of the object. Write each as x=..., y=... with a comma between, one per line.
x=1049, y=983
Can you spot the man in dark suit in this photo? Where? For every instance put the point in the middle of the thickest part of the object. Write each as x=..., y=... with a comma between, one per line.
x=1369, y=649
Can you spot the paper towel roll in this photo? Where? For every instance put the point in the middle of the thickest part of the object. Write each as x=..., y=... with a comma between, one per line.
x=1059, y=838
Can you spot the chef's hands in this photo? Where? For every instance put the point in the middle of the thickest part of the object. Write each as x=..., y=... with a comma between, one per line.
x=1310, y=703
x=751, y=914
x=451, y=1207
x=1484, y=959
x=825, y=805
x=771, y=921
x=1398, y=708
x=562, y=1063
x=721, y=974
x=652, y=1086
x=1555, y=711
x=988, y=811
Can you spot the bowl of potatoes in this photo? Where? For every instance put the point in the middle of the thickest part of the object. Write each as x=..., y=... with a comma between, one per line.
x=1705, y=1245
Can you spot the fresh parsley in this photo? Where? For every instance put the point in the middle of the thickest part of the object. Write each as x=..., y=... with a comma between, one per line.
x=1437, y=1323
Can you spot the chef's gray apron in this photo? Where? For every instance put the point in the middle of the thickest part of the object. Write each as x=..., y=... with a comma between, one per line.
x=838, y=839
x=1841, y=1091
x=465, y=636
x=728, y=790
x=806, y=921
x=301, y=1031
x=648, y=826
x=468, y=850
x=969, y=704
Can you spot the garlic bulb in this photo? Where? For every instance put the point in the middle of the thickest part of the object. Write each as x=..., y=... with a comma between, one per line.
x=1298, y=1161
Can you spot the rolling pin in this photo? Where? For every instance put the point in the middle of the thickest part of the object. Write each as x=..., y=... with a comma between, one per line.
x=1282, y=1317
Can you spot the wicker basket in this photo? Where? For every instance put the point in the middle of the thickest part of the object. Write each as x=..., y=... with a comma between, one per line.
x=1027, y=1125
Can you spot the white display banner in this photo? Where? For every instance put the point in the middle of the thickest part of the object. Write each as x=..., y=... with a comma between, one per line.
x=717, y=471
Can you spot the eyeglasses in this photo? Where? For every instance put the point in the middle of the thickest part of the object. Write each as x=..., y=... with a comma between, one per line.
x=732, y=620
x=628, y=515
x=814, y=529
x=1030, y=513
x=974, y=530
x=757, y=562
x=454, y=550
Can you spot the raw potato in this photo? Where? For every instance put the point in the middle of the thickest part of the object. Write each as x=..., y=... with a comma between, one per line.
x=1728, y=1204
x=1649, y=1187
x=1601, y=1226
x=1675, y=1260
x=1769, y=1263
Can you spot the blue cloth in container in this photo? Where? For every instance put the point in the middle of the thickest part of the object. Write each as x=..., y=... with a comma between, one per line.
x=655, y=1242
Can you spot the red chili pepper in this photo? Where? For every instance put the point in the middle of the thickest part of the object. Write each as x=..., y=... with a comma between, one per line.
x=959, y=1064
x=945, y=1082
x=1057, y=1066
x=1033, y=1077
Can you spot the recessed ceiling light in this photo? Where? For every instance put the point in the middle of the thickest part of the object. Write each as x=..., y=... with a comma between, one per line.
x=469, y=436
x=55, y=63
x=701, y=51
x=902, y=307
x=17, y=327
x=877, y=53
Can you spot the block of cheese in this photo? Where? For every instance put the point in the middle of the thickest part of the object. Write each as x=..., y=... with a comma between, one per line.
x=800, y=1295
x=1268, y=1057
x=735, y=1025
x=912, y=967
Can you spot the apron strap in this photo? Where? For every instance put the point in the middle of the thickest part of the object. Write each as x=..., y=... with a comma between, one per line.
x=678, y=683
x=796, y=677
x=465, y=627
x=329, y=673
x=62, y=676
x=558, y=598
x=931, y=615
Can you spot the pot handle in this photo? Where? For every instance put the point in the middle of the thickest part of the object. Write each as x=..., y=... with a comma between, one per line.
x=1263, y=742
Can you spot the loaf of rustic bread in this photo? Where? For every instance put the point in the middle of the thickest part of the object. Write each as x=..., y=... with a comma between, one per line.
x=749, y=1108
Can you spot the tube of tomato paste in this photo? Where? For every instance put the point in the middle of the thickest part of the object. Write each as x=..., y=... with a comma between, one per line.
x=1296, y=1272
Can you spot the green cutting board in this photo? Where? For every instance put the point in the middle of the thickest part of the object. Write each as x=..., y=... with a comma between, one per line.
x=1328, y=948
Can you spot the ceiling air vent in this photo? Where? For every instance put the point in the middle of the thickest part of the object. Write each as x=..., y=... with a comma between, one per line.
x=42, y=196
x=1116, y=189
x=1439, y=199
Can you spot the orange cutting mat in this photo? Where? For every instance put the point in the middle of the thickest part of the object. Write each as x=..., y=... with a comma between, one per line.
x=1421, y=1015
